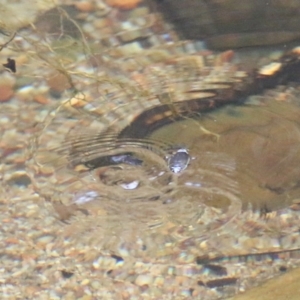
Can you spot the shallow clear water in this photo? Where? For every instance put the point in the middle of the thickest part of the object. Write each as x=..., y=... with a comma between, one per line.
x=204, y=232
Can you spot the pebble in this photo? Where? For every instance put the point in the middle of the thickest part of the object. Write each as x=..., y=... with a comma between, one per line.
x=123, y=4
x=85, y=6
x=46, y=239
x=270, y=69
x=19, y=178
x=6, y=92
x=58, y=82
x=96, y=285
x=41, y=99
x=144, y=279
x=85, y=281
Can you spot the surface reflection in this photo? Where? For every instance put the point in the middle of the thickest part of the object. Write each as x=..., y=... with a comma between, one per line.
x=91, y=206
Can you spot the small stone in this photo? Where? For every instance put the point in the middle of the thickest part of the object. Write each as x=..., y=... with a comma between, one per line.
x=96, y=285
x=86, y=297
x=85, y=281
x=101, y=23
x=84, y=6
x=41, y=99
x=131, y=35
x=143, y=279
x=140, y=12
x=31, y=290
x=12, y=240
x=58, y=82
x=20, y=179
x=123, y=4
x=26, y=93
x=159, y=281
x=46, y=239
x=6, y=92
x=270, y=69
